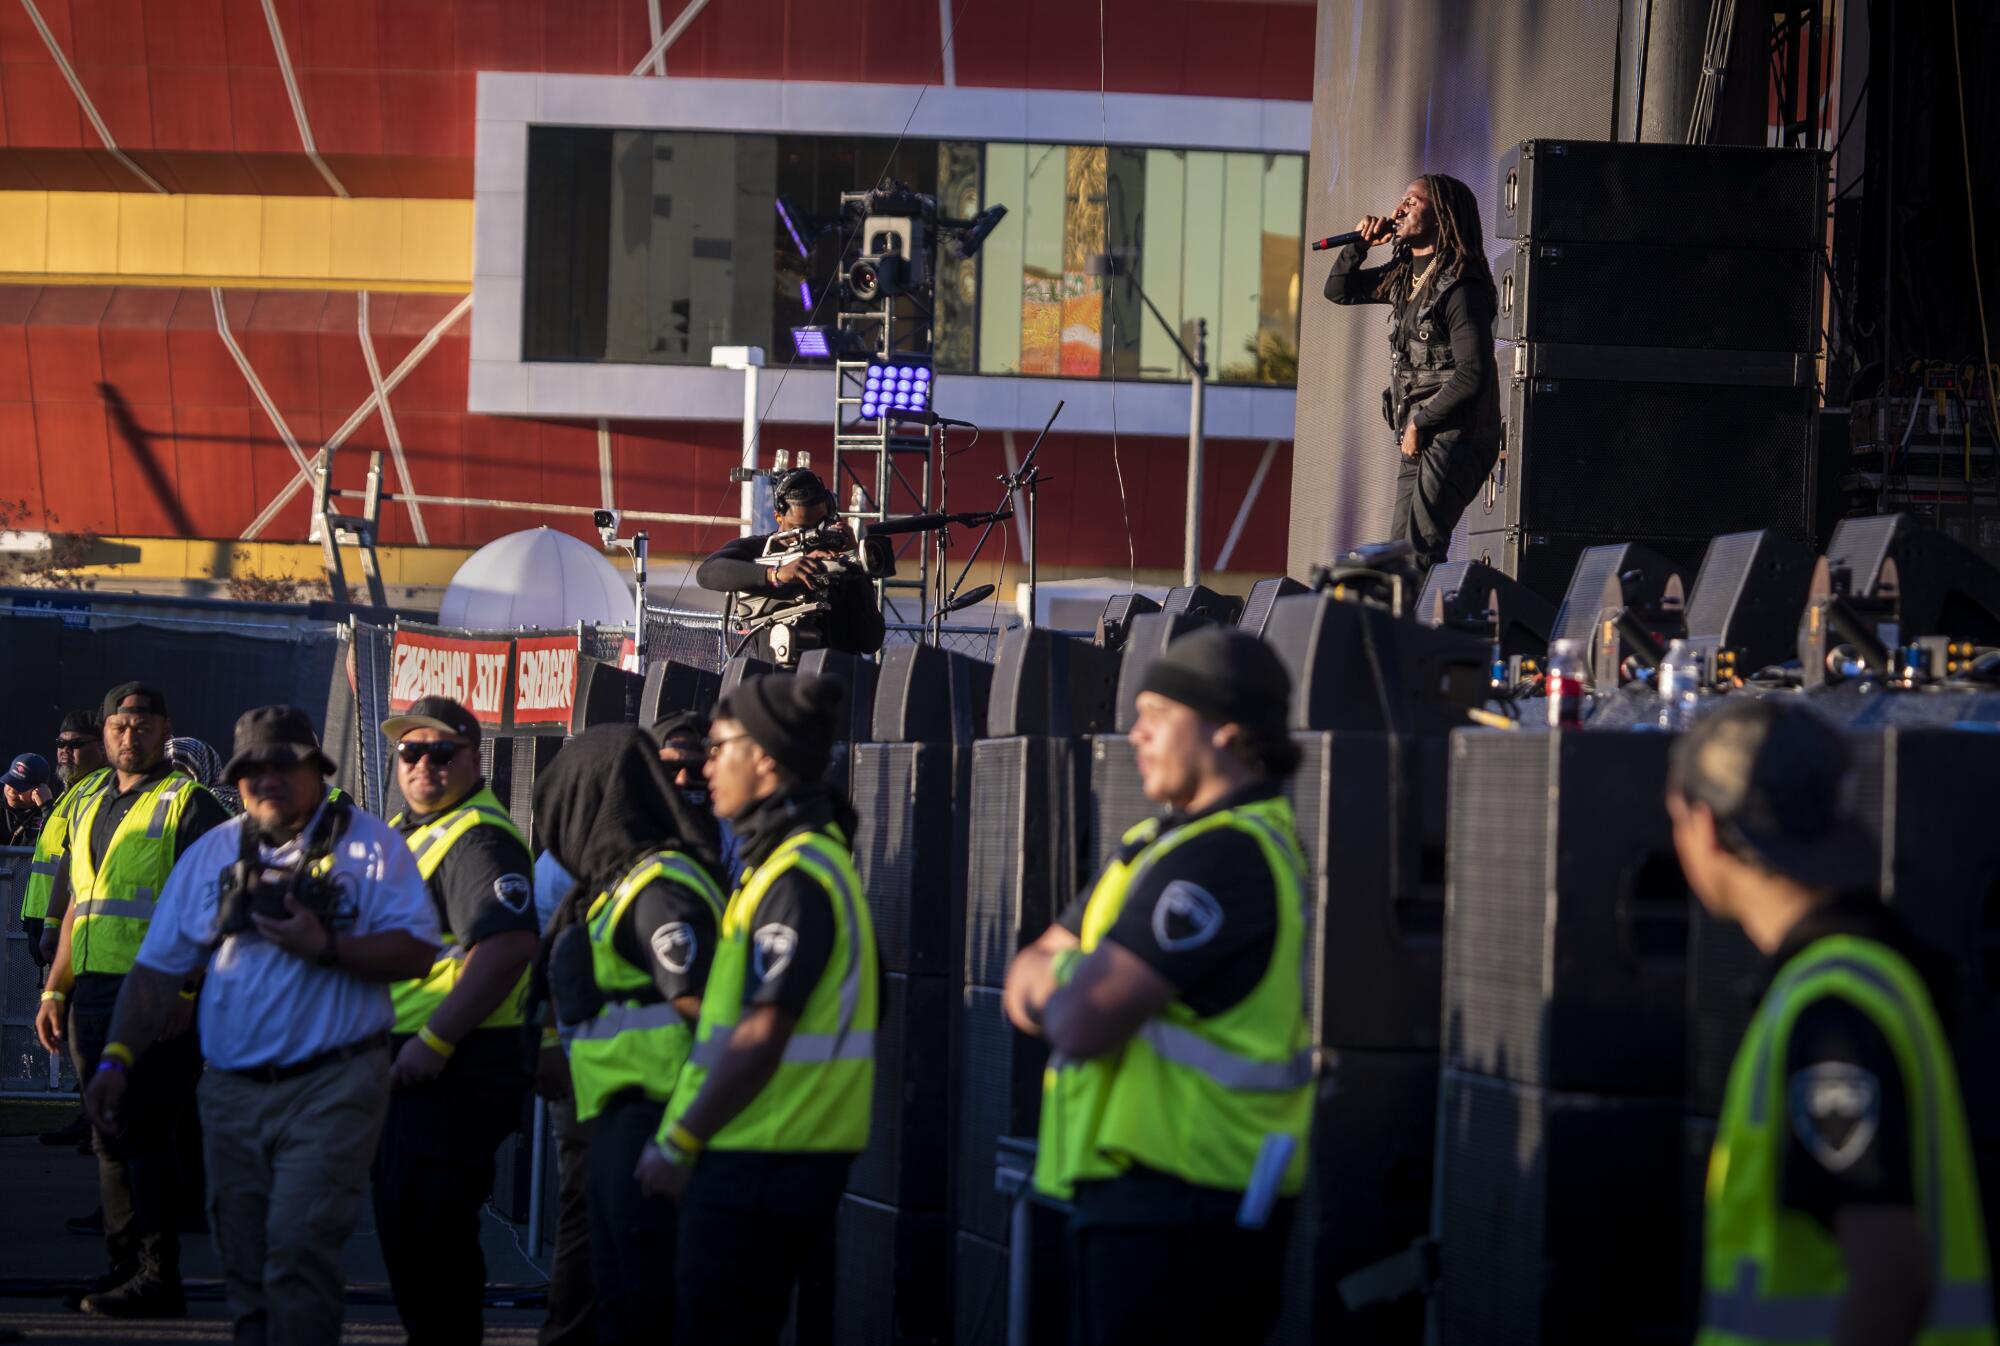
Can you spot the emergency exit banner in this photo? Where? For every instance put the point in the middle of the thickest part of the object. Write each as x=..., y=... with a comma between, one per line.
x=470, y=672
x=545, y=680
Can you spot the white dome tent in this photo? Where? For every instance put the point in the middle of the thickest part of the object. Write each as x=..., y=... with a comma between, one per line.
x=540, y=579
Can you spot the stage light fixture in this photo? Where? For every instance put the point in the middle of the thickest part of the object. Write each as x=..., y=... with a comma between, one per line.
x=896, y=388
x=790, y=217
x=977, y=228
x=813, y=343
x=806, y=296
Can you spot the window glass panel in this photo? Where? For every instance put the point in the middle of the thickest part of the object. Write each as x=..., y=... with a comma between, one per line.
x=1284, y=243
x=1042, y=259
x=1160, y=265
x=1201, y=271
x=1000, y=261
x=1232, y=335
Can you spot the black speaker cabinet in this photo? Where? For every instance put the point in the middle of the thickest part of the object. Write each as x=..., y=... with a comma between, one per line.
x=1556, y=1216
x=1027, y=847
x=1566, y=928
x=1907, y=578
x=855, y=673
x=1747, y=598
x=999, y=1074
x=1204, y=602
x=1356, y=668
x=1480, y=599
x=910, y=847
x=927, y=695
x=1146, y=639
x=908, y=1160
x=1697, y=1142
x=1592, y=191
x=605, y=694
x=1264, y=595
x=1118, y=800
x=1622, y=575
x=1047, y=683
x=1116, y=621
x=1633, y=457
x=1725, y=973
x=979, y=1285
x=674, y=686
x=892, y=1281
x=1545, y=562
x=741, y=667
x=529, y=755
x=1367, y=1198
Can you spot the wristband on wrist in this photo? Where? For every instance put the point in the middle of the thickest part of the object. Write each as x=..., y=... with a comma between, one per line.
x=57, y=996
x=1063, y=965
x=685, y=1140
x=115, y=1051
x=435, y=1043
x=105, y=1063
x=674, y=1154
x=187, y=994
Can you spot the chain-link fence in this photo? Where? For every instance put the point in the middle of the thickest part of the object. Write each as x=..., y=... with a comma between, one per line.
x=686, y=636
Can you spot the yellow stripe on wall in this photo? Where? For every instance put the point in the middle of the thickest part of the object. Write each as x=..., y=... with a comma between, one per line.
x=283, y=242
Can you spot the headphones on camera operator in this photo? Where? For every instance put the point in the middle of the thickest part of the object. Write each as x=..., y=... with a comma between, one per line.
x=792, y=620
x=251, y=887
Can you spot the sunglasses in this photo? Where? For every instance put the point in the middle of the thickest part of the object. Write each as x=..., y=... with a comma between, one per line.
x=440, y=751
x=714, y=746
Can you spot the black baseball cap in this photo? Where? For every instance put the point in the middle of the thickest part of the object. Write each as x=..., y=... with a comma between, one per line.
x=274, y=734
x=1774, y=775
x=1230, y=677
x=83, y=722
x=134, y=698
x=434, y=712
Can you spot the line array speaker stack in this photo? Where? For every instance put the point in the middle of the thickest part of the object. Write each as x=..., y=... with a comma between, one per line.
x=1660, y=382
x=1565, y=1008
x=855, y=720
x=1028, y=854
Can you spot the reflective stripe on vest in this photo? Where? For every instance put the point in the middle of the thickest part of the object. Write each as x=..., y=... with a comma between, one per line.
x=38, y=893
x=418, y=999
x=117, y=894
x=820, y=1098
x=637, y=1041
x=1191, y=1096
x=1776, y=1276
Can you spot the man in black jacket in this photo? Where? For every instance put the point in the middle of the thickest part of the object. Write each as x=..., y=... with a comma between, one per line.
x=848, y=619
x=1443, y=398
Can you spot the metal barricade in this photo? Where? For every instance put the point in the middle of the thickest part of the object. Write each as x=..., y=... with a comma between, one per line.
x=24, y=1066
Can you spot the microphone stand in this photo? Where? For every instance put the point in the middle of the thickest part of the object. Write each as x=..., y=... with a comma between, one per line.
x=1029, y=478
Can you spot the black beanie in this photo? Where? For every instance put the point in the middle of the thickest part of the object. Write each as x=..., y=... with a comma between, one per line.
x=1230, y=677
x=790, y=716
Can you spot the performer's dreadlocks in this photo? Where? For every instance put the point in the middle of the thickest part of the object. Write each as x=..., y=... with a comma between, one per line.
x=1461, y=244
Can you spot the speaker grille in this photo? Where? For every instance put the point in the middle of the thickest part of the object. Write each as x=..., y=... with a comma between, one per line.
x=1264, y=595
x=892, y=1282
x=979, y=1292
x=1023, y=848
x=1000, y=1087
x=907, y=1156
x=1862, y=545
x=1588, y=190
x=886, y=847
x=1619, y=294
x=1117, y=798
x=1725, y=567
x=1597, y=572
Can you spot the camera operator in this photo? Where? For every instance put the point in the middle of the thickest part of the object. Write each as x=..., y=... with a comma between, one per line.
x=302, y=912
x=829, y=583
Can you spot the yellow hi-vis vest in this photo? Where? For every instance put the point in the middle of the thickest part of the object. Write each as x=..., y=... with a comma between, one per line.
x=820, y=1097
x=115, y=894
x=637, y=1040
x=417, y=1000
x=39, y=891
x=1190, y=1096
x=1776, y=1275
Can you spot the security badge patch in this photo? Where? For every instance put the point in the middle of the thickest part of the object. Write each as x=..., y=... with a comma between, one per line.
x=513, y=891
x=674, y=945
x=1836, y=1110
x=772, y=947
x=1185, y=916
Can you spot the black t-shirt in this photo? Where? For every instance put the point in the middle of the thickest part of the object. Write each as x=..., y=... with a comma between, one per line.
x=1204, y=915
x=1847, y=1112
x=791, y=943
x=670, y=931
x=854, y=624
x=484, y=884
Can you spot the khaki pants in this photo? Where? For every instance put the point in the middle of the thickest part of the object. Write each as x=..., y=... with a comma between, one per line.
x=287, y=1171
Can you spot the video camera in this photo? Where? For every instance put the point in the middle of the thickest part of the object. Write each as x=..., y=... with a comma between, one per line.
x=252, y=888
x=872, y=557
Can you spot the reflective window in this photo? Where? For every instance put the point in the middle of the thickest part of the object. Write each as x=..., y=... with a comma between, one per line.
x=656, y=246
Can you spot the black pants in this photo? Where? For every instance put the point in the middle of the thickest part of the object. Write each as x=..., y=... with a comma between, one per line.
x=572, y=1301
x=631, y=1234
x=433, y=1173
x=139, y=1170
x=1139, y=1285
x=750, y=1224
x=1432, y=491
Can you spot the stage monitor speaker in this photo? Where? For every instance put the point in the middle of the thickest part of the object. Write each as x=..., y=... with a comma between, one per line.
x=1478, y=599
x=1027, y=847
x=927, y=695
x=1118, y=800
x=1355, y=668
x=605, y=694
x=1546, y=562
x=1116, y=622
x=1628, y=456
x=529, y=756
x=1903, y=581
x=672, y=686
x=1659, y=296
x=1593, y=191
x=1146, y=640
x=910, y=847
x=1566, y=938
x=999, y=1072
x=1617, y=575
x=1745, y=604
x=1264, y=595
x=1051, y=685
x=907, y=1162
x=892, y=1275
x=1367, y=1197
x=1556, y=1216
x=1203, y=601
x=1371, y=820
x=855, y=722
x=741, y=667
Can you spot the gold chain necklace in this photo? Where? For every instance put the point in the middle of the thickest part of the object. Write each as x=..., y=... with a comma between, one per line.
x=1417, y=282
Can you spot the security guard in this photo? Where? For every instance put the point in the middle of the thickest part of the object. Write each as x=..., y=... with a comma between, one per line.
x=627, y=974
x=82, y=773
x=123, y=842
x=460, y=1075
x=773, y=1103
x=1843, y=1205
x=1177, y=1100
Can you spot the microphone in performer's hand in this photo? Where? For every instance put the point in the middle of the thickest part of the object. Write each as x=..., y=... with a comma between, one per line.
x=1340, y=240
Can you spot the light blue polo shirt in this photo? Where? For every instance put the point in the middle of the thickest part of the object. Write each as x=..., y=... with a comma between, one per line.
x=261, y=1006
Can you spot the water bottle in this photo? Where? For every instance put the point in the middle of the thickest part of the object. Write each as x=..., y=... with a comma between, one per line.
x=780, y=462
x=1679, y=686
x=1567, y=683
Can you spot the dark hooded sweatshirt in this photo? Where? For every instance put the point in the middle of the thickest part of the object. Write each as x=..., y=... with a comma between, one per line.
x=604, y=804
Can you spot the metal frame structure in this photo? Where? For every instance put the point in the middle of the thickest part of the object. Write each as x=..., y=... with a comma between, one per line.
x=871, y=460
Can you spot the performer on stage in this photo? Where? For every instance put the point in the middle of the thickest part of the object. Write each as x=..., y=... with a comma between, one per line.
x=1443, y=398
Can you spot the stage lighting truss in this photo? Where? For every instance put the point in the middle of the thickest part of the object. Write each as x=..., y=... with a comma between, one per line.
x=896, y=388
